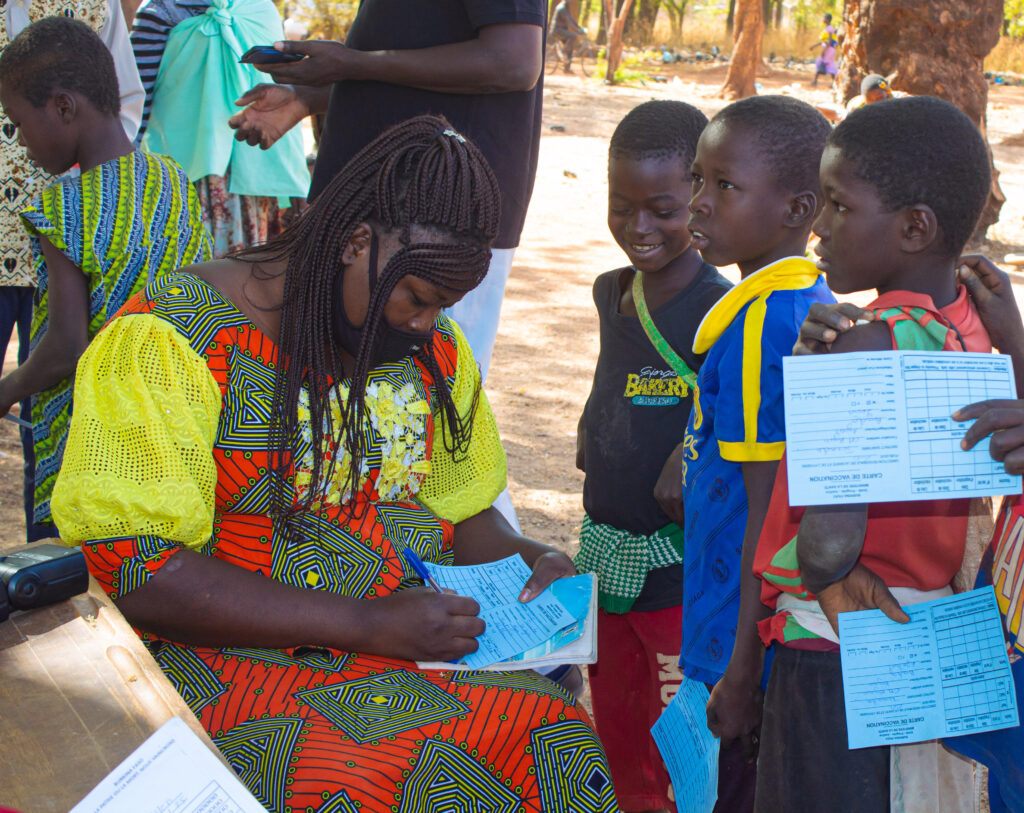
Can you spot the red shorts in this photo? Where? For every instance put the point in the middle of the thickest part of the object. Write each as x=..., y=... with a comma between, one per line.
x=636, y=676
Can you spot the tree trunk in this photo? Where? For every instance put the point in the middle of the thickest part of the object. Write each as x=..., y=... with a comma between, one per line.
x=616, y=23
x=730, y=18
x=646, y=14
x=676, y=12
x=746, y=51
x=766, y=13
x=933, y=47
x=778, y=13
x=628, y=26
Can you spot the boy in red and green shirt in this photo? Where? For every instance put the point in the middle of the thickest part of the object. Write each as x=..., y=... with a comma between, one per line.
x=904, y=182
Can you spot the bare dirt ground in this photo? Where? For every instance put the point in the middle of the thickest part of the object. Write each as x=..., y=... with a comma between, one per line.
x=547, y=342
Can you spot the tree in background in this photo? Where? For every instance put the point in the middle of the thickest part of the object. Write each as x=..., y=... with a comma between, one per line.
x=329, y=19
x=746, y=51
x=1013, y=18
x=808, y=13
x=676, y=12
x=772, y=13
x=934, y=47
x=616, y=24
x=643, y=28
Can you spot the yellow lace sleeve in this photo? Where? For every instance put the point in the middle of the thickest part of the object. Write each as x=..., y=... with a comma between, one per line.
x=456, y=489
x=139, y=459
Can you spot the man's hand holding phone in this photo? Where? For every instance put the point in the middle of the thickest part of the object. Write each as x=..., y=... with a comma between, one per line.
x=267, y=55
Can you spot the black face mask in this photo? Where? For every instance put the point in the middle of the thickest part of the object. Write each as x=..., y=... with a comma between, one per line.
x=391, y=343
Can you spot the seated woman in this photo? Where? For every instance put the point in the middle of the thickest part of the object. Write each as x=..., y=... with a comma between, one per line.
x=254, y=441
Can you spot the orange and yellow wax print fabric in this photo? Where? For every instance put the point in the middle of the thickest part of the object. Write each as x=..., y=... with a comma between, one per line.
x=168, y=449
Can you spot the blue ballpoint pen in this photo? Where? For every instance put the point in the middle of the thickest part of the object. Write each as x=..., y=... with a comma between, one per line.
x=421, y=569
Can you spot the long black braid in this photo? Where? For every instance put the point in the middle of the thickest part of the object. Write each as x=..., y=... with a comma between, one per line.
x=419, y=173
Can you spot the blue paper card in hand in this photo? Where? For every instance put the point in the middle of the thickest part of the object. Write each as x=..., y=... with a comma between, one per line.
x=944, y=674
x=512, y=627
x=689, y=749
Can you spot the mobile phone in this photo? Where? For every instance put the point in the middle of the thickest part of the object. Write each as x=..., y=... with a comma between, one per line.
x=267, y=55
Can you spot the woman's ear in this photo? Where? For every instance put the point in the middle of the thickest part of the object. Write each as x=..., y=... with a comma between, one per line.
x=919, y=228
x=358, y=243
x=803, y=208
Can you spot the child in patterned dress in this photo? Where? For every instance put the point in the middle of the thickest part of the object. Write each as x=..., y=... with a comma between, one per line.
x=97, y=236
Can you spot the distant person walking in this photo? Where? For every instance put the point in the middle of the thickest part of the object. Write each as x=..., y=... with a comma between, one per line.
x=825, y=64
x=566, y=30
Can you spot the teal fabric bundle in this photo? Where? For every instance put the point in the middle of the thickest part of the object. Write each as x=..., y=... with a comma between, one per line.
x=199, y=80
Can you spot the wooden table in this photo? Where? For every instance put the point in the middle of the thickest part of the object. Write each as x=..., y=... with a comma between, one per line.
x=78, y=693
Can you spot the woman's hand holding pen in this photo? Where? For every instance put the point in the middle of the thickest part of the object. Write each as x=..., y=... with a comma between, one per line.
x=419, y=624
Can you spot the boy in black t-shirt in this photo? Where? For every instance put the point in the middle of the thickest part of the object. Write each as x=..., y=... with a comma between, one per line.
x=635, y=416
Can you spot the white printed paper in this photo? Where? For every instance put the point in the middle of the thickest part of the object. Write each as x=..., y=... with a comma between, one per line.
x=171, y=772
x=944, y=674
x=877, y=427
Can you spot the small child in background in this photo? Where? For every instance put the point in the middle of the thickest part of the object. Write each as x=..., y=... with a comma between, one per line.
x=755, y=196
x=636, y=412
x=905, y=181
x=97, y=237
x=873, y=89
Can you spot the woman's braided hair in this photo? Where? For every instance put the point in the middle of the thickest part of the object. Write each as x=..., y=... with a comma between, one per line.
x=419, y=173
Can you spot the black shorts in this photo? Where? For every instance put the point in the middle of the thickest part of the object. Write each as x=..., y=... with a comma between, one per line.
x=804, y=764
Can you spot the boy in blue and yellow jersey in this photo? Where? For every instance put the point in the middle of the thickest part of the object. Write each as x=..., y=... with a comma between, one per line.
x=755, y=196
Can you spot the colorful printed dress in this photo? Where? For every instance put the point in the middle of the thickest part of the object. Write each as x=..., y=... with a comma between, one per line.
x=168, y=449
x=122, y=223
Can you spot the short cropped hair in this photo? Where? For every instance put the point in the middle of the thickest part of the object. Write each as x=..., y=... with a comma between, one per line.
x=58, y=53
x=659, y=129
x=790, y=135
x=920, y=149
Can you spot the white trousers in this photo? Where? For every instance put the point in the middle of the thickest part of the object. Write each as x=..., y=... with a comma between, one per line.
x=478, y=313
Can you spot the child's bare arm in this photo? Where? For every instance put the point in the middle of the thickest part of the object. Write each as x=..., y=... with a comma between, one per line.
x=668, y=491
x=581, y=440
x=734, y=710
x=66, y=337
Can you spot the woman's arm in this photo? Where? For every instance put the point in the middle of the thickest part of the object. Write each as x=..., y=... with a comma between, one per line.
x=199, y=600
x=66, y=336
